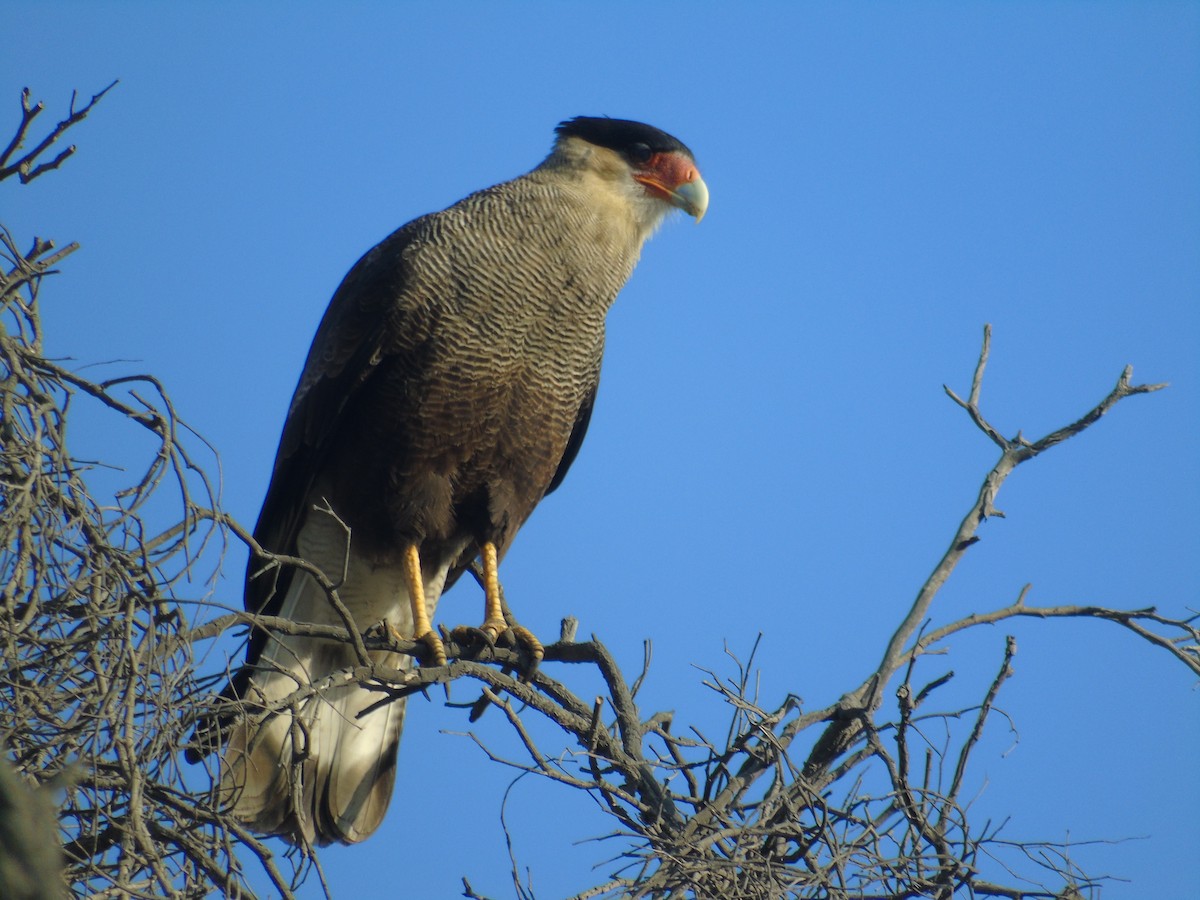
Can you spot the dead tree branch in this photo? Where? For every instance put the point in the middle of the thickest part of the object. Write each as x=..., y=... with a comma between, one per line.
x=867, y=698
x=97, y=677
x=27, y=167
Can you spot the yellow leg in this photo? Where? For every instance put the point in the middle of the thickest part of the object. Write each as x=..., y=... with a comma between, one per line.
x=493, y=612
x=422, y=628
x=494, y=623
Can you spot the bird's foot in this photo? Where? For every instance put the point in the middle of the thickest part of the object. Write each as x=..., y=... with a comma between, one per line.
x=495, y=631
x=492, y=629
x=485, y=635
x=436, y=649
x=526, y=640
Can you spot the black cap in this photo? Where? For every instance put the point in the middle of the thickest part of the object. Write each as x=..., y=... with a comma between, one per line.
x=630, y=139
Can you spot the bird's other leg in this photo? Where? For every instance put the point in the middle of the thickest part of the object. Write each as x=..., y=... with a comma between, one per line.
x=494, y=623
x=422, y=627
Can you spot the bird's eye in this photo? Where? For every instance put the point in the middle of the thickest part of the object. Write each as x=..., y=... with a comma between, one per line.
x=640, y=152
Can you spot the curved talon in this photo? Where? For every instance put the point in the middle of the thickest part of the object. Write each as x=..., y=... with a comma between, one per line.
x=436, y=648
x=494, y=633
x=430, y=639
x=468, y=635
x=493, y=629
x=525, y=639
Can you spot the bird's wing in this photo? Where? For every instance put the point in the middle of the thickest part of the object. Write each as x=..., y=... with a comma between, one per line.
x=346, y=351
x=575, y=441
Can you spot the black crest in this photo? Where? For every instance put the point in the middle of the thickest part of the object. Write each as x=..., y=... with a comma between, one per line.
x=629, y=138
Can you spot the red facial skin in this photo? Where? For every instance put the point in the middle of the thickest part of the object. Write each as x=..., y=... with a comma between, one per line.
x=665, y=172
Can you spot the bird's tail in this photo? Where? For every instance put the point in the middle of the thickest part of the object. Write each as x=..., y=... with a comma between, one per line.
x=315, y=757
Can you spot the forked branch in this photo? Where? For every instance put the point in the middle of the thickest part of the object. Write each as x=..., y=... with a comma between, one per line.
x=866, y=699
x=28, y=165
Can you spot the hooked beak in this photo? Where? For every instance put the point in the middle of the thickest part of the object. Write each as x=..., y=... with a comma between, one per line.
x=673, y=177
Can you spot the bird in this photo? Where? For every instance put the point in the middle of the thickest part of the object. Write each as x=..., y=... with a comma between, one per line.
x=447, y=390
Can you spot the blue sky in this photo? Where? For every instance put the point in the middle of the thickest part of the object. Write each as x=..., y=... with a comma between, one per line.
x=772, y=450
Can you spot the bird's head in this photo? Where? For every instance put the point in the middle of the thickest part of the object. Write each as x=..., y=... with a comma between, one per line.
x=649, y=167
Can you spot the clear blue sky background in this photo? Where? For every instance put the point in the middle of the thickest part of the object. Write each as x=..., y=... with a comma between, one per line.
x=772, y=450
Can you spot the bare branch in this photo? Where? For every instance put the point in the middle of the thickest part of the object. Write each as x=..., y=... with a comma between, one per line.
x=867, y=698
x=28, y=167
x=97, y=684
x=1010, y=649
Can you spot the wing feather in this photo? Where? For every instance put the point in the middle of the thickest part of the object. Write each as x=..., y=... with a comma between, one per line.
x=355, y=335
x=575, y=441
